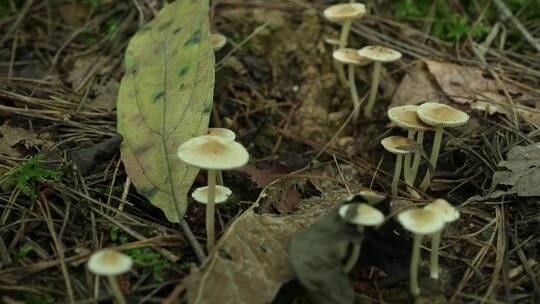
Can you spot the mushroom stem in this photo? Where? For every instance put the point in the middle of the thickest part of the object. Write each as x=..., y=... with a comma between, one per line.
x=354, y=92
x=415, y=258
x=437, y=140
x=355, y=253
x=435, y=243
x=117, y=292
x=397, y=173
x=345, y=29
x=377, y=65
x=341, y=73
x=219, y=176
x=210, y=233
x=417, y=156
x=407, y=161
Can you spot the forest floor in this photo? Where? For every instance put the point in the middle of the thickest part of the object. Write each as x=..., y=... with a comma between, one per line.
x=276, y=87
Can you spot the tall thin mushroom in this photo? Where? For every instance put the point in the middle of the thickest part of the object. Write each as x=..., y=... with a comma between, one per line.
x=405, y=117
x=344, y=14
x=212, y=153
x=396, y=145
x=351, y=58
x=439, y=116
x=379, y=55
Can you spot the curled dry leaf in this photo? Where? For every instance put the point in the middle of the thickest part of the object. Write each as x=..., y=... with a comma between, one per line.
x=433, y=80
x=524, y=175
x=251, y=262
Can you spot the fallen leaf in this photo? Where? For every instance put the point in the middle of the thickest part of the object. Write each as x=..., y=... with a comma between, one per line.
x=264, y=177
x=433, y=80
x=89, y=158
x=524, y=175
x=165, y=99
x=12, y=136
x=75, y=13
x=251, y=262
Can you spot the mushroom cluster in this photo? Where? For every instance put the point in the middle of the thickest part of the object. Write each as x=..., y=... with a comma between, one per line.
x=429, y=116
x=429, y=220
x=214, y=152
x=345, y=14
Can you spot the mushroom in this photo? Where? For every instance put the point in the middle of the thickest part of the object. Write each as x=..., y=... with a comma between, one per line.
x=420, y=222
x=372, y=197
x=361, y=215
x=217, y=41
x=351, y=58
x=394, y=144
x=345, y=14
x=212, y=153
x=405, y=117
x=221, y=195
x=448, y=214
x=110, y=263
x=439, y=116
x=378, y=54
x=226, y=134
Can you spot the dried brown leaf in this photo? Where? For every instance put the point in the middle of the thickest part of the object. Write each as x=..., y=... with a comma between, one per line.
x=251, y=262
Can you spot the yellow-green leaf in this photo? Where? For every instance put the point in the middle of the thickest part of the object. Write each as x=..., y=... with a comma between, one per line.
x=165, y=98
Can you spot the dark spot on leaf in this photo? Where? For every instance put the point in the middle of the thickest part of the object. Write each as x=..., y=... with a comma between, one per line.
x=182, y=86
x=195, y=38
x=164, y=26
x=184, y=71
x=158, y=96
x=176, y=31
x=207, y=109
x=145, y=28
x=149, y=192
x=142, y=149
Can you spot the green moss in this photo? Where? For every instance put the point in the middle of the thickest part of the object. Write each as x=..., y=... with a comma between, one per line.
x=27, y=175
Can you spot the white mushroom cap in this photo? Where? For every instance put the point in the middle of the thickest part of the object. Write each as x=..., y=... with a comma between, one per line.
x=379, y=53
x=224, y=133
x=405, y=117
x=421, y=221
x=392, y=144
x=443, y=207
x=217, y=41
x=201, y=194
x=331, y=41
x=350, y=56
x=364, y=214
x=344, y=12
x=108, y=262
x=438, y=114
x=214, y=153
x=372, y=197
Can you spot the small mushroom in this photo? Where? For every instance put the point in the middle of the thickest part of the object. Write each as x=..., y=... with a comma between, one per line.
x=217, y=41
x=420, y=222
x=439, y=116
x=378, y=54
x=212, y=153
x=395, y=144
x=448, y=214
x=111, y=263
x=361, y=215
x=351, y=58
x=405, y=117
x=345, y=14
x=372, y=197
x=222, y=194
